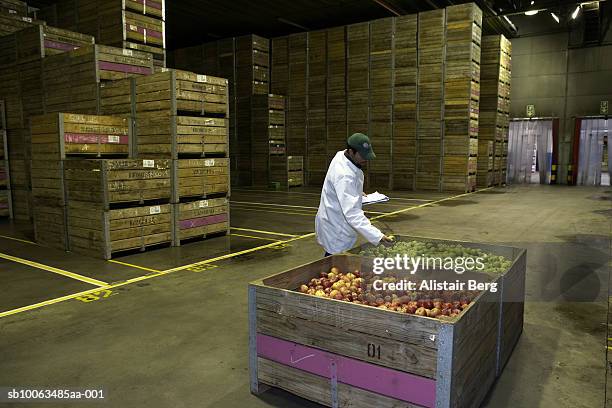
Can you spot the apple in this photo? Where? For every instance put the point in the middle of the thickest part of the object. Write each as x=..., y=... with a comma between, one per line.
x=320, y=293
x=332, y=276
x=421, y=311
x=433, y=312
x=411, y=309
x=304, y=289
x=337, y=285
x=350, y=276
x=335, y=270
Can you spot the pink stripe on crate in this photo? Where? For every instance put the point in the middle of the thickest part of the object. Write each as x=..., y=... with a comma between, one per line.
x=151, y=4
x=56, y=45
x=3, y=205
x=150, y=33
x=371, y=377
x=131, y=69
x=93, y=138
x=199, y=222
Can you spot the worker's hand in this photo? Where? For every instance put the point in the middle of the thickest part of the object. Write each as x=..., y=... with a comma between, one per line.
x=387, y=239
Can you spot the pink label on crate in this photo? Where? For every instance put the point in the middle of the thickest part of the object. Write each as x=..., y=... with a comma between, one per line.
x=148, y=33
x=131, y=69
x=3, y=205
x=150, y=3
x=93, y=138
x=381, y=380
x=199, y=222
x=56, y=45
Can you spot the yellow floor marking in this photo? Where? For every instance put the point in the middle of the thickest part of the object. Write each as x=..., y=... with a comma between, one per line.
x=207, y=261
x=247, y=203
x=280, y=234
x=47, y=302
x=18, y=239
x=278, y=212
x=72, y=275
x=251, y=236
x=234, y=254
x=134, y=266
x=428, y=204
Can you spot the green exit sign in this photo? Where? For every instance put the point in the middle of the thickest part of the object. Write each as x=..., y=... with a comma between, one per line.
x=531, y=111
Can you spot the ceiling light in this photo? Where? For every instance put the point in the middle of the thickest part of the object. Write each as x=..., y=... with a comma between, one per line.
x=510, y=22
x=554, y=16
x=531, y=12
x=575, y=13
x=532, y=2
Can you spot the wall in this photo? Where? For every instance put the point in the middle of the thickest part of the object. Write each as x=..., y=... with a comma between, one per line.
x=560, y=81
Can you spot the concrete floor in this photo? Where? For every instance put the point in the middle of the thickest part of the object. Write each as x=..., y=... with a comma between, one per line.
x=180, y=339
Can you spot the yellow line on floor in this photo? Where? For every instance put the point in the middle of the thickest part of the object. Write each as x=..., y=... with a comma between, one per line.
x=251, y=236
x=144, y=268
x=277, y=212
x=247, y=203
x=428, y=204
x=18, y=239
x=318, y=194
x=58, y=271
x=281, y=234
x=47, y=302
x=234, y=254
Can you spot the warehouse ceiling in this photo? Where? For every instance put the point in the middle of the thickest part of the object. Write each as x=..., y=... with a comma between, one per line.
x=191, y=22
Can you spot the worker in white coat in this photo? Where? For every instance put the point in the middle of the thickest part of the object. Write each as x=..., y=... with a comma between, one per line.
x=340, y=216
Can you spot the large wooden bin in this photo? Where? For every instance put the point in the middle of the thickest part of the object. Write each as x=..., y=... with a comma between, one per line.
x=342, y=354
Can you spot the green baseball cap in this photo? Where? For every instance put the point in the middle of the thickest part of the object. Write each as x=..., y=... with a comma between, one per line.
x=362, y=144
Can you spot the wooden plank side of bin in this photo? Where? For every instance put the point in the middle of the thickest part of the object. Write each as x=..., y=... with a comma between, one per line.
x=512, y=309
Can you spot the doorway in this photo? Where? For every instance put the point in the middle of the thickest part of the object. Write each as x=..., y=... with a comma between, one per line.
x=593, y=159
x=530, y=151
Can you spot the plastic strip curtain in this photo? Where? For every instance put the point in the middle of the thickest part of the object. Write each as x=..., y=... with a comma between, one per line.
x=590, y=155
x=522, y=138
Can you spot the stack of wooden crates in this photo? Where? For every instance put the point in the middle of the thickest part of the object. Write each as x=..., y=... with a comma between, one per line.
x=494, y=109
x=461, y=97
x=23, y=54
x=183, y=117
x=160, y=182
x=244, y=61
x=130, y=24
x=430, y=99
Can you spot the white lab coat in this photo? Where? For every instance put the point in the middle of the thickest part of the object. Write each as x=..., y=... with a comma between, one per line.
x=340, y=215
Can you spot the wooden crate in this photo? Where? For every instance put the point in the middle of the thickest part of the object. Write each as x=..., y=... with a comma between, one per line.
x=176, y=92
x=200, y=219
x=357, y=354
x=39, y=41
x=111, y=183
x=47, y=179
x=118, y=97
x=21, y=203
x=50, y=223
x=14, y=7
x=57, y=135
x=96, y=232
x=199, y=178
x=159, y=134
x=279, y=68
x=11, y=23
x=71, y=80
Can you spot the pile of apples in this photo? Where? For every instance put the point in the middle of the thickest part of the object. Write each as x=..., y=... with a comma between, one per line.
x=352, y=287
